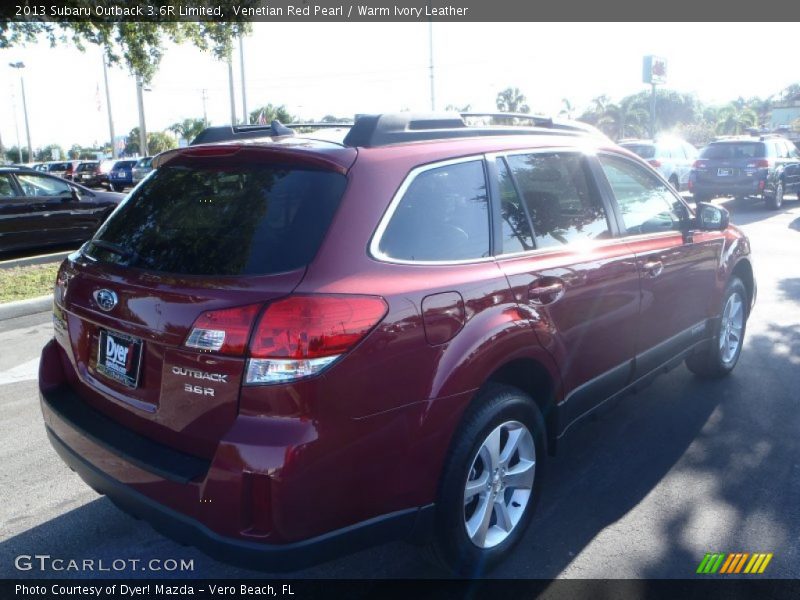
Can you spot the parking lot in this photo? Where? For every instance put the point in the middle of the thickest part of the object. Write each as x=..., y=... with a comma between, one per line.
x=683, y=468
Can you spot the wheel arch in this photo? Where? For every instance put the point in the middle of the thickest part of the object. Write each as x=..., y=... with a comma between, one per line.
x=744, y=271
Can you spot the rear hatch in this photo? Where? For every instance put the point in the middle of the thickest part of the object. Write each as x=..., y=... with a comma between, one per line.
x=206, y=233
x=730, y=163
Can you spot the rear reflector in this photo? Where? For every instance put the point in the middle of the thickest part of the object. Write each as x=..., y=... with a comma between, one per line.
x=224, y=331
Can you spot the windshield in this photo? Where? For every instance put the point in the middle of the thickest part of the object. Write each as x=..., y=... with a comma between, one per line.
x=251, y=219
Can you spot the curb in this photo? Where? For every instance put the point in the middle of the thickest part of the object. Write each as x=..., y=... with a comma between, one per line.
x=35, y=260
x=23, y=308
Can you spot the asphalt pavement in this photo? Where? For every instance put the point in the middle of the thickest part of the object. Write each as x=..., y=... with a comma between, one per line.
x=682, y=468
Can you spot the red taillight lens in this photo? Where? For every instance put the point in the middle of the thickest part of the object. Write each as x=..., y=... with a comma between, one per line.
x=303, y=327
x=224, y=331
x=699, y=164
x=654, y=163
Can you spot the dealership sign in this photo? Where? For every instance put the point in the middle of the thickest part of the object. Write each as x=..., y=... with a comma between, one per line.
x=654, y=70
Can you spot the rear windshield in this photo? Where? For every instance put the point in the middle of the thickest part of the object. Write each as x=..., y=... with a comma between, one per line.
x=144, y=163
x=734, y=150
x=643, y=150
x=247, y=220
x=87, y=166
x=124, y=164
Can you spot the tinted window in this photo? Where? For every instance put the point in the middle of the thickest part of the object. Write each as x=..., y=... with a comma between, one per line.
x=556, y=194
x=86, y=167
x=644, y=150
x=646, y=204
x=40, y=185
x=734, y=150
x=250, y=219
x=443, y=215
x=517, y=235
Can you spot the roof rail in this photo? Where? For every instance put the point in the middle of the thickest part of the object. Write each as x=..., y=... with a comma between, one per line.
x=227, y=133
x=396, y=128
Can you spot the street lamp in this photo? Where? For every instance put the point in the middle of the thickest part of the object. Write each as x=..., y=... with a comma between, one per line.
x=21, y=65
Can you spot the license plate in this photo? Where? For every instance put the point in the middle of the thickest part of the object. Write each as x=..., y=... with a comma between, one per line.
x=119, y=357
x=724, y=172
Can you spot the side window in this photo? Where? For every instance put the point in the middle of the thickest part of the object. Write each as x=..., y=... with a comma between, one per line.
x=37, y=185
x=556, y=193
x=646, y=204
x=793, y=153
x=443, y=215
x=517, y=235
x=6, y=187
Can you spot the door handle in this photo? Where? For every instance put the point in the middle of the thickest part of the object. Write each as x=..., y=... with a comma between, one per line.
x=653, y=268
x=546, y=294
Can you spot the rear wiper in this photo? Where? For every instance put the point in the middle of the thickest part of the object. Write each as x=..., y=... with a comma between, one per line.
x=115, y=249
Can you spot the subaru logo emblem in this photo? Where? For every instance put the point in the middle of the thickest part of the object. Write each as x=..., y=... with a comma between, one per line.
x=106, y=299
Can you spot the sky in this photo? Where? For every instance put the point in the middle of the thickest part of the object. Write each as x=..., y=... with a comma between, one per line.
x=346, y=68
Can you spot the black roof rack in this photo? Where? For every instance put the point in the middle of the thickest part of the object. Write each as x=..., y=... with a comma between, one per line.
x=227, y=133
x=397, y=128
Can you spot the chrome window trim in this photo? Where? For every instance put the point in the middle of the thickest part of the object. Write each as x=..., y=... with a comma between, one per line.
x=374, y=244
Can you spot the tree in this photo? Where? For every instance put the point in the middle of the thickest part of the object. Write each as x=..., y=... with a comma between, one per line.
x=332, y=119
x=567, y=108
x=458, y=109
x=735, y=119
x=137, y=45
x=188, y=129
x=74, y=152
x=512, y=100
x=762, y=108
x=13, y=154
x=156, y=142
x=50, y=152
x=269, y=113
x=625, y=118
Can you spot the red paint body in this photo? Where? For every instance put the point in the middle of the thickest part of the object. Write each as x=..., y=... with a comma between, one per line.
x=368, y=436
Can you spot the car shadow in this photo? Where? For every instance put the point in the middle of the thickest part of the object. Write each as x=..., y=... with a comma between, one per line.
x=729, y=448
x=745, y=211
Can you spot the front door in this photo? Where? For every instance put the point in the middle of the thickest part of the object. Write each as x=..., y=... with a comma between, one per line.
x=677, y=265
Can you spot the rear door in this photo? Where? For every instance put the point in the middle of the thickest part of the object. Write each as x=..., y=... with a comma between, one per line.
x=567, y=269
x=20, y=217
x=677, y=266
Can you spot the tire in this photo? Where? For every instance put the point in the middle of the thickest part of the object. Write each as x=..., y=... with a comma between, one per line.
x=775, y=201
x=719, y=358
x=499, y=413
x=117, y=187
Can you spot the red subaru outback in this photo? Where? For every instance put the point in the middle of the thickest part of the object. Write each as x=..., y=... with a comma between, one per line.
x=280, y=349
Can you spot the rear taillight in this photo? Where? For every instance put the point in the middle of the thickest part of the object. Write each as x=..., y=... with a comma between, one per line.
x=761, y=163
x=301, y=335
x=224, y=331
x=654, y=163
x=699, y=164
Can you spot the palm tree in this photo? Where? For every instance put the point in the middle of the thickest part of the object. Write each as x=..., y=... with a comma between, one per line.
x=622, y=118
x=512, y=100
x=567, y=108
x=188, y=129
x=735, y=119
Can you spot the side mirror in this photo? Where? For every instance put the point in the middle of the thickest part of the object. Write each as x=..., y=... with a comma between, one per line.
x=711, y=217
x=76, y=195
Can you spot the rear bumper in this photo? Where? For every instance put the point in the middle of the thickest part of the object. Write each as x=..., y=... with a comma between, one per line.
x=283, y=557
x=750, y=187
x=266, y=499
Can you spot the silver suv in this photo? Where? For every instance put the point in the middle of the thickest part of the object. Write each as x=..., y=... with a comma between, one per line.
x=670, y=156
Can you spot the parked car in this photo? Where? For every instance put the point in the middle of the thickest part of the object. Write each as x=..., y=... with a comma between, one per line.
x=766, y=167
x=672, y=157
x=285, y=349
x=142, y=168
x=57, y=168
x=85, y=172
x=99, y=177
x=69, y=172
x=38, y=209
x=121, y=175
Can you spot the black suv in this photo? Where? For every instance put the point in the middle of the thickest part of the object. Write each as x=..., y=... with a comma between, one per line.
x=767, y=167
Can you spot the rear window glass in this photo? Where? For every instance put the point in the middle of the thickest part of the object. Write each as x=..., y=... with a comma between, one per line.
x=247, y=220
x=643, y=150
x=734, y=150
x=87, y=166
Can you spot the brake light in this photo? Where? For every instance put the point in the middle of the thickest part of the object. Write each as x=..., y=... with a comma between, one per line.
x=699, y=164
x=761, y=163
x=301, y=335
x=224, y=331
x=653, y=162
